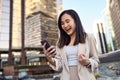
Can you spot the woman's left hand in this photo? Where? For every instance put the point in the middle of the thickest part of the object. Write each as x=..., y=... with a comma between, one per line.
x=83, y=59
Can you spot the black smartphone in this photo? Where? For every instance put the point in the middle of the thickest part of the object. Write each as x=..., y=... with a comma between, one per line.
x=47, y=44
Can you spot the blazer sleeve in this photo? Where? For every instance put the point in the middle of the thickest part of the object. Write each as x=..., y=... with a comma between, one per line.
x=57, y=60
x=93, y=55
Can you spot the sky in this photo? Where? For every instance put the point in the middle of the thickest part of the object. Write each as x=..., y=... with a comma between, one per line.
x=88, y=11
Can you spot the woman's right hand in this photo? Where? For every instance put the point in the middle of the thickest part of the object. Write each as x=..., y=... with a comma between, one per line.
x=50, y=52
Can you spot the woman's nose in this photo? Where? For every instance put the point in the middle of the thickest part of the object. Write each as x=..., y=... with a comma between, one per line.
x=65, y=25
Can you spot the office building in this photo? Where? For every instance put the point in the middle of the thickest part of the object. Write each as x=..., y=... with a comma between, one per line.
x=40, y=23
x=4, y=23
x=114, y=7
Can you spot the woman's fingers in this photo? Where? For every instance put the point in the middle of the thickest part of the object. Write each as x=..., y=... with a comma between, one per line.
x=82, y=59
x=50, y=52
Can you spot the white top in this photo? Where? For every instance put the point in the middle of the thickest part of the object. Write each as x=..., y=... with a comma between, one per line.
x=72, y=55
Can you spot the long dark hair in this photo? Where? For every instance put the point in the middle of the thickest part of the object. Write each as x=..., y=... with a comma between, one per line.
x=64, y=37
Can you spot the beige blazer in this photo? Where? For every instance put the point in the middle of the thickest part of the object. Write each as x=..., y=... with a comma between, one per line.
x=89, y=48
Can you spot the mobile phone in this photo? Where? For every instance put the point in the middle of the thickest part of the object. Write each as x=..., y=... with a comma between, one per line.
x=47, y=44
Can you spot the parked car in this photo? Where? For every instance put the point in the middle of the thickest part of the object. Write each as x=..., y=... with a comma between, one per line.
x=1, y=75
x=1, y=78
x=56, y=76
x=24, y=76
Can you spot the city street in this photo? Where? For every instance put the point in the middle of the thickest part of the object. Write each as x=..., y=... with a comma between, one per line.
x=25, y=23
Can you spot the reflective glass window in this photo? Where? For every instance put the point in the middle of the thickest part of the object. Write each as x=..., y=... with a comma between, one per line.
x=5, y=16
x=5, y=29
x=5, y=9
x=6, y=3
x=5, y=22
x=4, y=37
x=4, y=44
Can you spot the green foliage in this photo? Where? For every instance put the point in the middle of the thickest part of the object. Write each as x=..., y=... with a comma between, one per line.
x=96, y=75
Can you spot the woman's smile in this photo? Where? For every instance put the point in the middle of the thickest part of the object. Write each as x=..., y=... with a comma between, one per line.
x=68, y=30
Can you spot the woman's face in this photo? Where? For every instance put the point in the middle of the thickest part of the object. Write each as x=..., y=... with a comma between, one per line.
x=68, y=24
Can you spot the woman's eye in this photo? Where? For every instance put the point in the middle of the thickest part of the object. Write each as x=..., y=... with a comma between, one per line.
x=67, y=21
x=62, y=23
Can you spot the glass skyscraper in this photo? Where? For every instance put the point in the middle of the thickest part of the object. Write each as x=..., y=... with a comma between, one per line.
x=4, y=23
x=40, y=22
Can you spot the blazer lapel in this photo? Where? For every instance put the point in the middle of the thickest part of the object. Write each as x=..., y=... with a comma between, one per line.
x=81, y=50
x=64, y=58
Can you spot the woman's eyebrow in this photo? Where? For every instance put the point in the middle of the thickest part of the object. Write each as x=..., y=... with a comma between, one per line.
x=67, y=20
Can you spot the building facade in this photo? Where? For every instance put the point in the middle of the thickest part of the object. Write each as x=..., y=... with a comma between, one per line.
x=114, y=7
x=109, y=31
x=100, y=37
x=40, y=23
x=4, y=23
